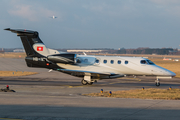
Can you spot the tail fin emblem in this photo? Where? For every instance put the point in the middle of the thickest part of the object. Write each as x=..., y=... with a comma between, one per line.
x=39, y=48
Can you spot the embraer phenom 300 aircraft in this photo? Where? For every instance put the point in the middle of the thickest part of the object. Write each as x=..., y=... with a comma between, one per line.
x=90, y=68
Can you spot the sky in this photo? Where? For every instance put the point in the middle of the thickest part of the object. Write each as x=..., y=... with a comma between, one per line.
x=93, y=23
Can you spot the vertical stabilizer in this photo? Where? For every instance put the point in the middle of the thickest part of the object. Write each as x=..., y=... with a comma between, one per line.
x=35, y=49
x=31, y=42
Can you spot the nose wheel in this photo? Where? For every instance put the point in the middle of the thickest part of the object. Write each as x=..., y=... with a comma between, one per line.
x=157, y=82
x=84, y=82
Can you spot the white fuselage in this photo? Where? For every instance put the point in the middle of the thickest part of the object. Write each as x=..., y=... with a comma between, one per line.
x=117, y=65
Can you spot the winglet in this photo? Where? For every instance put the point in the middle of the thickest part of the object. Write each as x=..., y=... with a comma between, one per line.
x=7, y=29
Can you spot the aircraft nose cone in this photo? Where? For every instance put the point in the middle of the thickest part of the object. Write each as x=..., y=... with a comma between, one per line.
x=166, y=72
x=172, y=74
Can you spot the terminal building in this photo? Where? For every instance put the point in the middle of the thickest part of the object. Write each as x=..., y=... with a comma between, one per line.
x=19, y=50
x=86, y=51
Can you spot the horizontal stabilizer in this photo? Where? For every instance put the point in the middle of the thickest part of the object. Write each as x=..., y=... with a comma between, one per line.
x=23, y=31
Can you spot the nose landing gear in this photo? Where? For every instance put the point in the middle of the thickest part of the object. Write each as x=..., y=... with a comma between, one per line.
x=157, y=82
x=84, y=82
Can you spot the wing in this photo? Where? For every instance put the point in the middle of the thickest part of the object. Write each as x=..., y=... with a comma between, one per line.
x=80, y=72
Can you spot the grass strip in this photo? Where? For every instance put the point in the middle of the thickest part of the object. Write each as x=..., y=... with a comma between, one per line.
x=151, y=93
x=15, y=73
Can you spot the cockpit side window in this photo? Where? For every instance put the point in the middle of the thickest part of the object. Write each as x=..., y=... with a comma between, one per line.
x=143, y=62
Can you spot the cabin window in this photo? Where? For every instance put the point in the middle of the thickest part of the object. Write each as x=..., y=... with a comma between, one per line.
x=97, y=61
x=143, y=62
x=126, y=62
x=119, y=62
x=105, y=61
x=112, y=61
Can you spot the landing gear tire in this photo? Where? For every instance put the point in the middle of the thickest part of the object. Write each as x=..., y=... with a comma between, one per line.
x=84, y=82
x=90, y=83
x=157, y=84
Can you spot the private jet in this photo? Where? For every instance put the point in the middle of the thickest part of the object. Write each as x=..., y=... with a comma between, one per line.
x=53, y=17
x=90, y=68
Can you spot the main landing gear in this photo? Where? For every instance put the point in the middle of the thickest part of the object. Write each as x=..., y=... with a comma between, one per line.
x=84, y=82
x=157, y=82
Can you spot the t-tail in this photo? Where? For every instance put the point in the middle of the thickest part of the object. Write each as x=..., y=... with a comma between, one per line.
x=38, y=55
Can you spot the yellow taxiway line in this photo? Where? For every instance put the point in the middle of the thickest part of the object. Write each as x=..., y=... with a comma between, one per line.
x=75, y=86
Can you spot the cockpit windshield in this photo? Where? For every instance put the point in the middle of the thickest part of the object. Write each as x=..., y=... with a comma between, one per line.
x=150, y=62
x=85, y=60
x=147, y=62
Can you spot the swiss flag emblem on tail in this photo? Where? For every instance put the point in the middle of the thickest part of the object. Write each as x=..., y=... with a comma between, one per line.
x=39, y=48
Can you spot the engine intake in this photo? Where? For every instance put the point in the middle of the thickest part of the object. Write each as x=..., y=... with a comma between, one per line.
x=63, y=58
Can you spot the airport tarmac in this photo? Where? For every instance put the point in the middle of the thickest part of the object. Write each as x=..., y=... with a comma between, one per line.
x=54, y=95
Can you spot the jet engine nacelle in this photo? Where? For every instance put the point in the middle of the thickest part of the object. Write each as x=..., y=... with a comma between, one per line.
x=63, y=58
